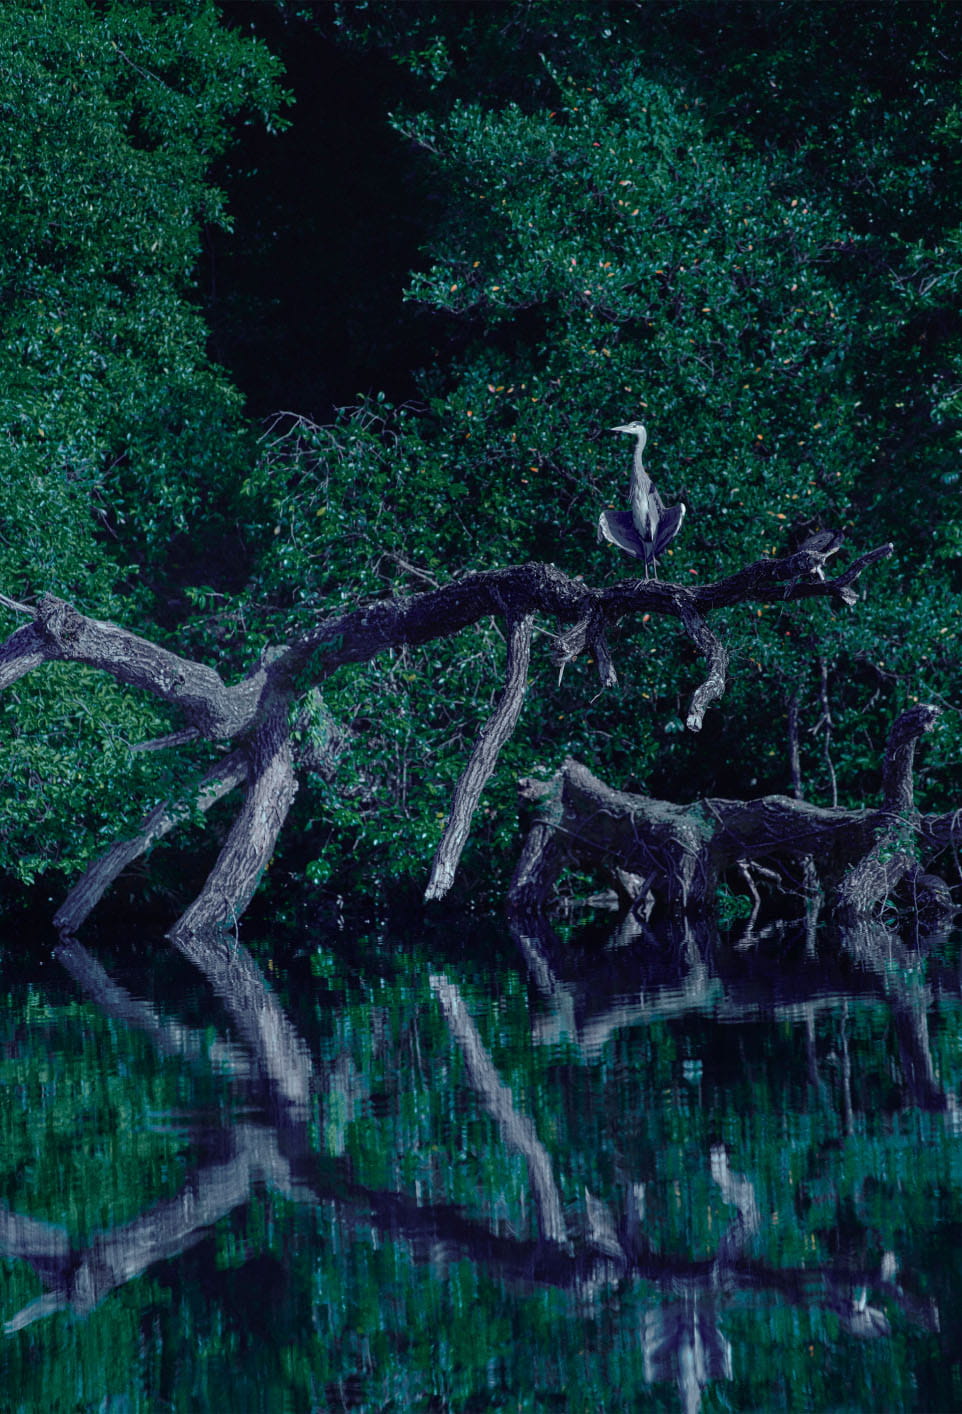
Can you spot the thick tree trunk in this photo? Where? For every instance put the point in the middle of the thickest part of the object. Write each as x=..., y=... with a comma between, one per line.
x=258, y=714
x=680, y=854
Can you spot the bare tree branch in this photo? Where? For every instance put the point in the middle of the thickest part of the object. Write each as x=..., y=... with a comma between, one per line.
x=257, y=709
x=897, y=785
x=493, y=735
x=231, y=883
x=96, y=880
x=713, y=688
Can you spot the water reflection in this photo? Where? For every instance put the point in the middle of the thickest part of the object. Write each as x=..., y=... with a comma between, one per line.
x=684, y=1143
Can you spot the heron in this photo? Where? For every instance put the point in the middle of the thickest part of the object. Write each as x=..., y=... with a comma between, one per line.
x=650, y=526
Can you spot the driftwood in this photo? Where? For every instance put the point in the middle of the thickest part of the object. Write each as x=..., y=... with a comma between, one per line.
x=257, y=715
x=677, y=856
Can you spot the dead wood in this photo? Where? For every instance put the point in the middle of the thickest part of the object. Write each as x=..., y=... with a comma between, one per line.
x=682, y=853
x=257, y=714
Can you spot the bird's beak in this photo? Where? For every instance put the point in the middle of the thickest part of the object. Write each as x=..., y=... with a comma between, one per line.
x=625, y=428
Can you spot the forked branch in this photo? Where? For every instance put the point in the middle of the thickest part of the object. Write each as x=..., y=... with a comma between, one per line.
x=255, y=713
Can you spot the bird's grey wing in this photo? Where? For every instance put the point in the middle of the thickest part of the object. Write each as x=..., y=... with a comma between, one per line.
x=617, y=526
x=669, y=525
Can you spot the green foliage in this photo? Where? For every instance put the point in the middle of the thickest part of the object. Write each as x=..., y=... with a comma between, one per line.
x=610, y=250
x=759, y=257
x=609, y=247
x=116, y=433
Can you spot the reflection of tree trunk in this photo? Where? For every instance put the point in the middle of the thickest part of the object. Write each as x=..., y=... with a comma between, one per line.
x=80, y=1278
x=682, y=1342
x=278, y=1052
x=281, y=1156
x=169, y=1037
x=517, y=1130
x=880, y=954
x=590, y=1004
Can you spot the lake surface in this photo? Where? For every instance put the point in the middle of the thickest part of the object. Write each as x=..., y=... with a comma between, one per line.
x=464, y=1171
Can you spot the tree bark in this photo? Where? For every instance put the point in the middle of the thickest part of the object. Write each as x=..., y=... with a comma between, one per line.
x=255, y=713
x=682, y=852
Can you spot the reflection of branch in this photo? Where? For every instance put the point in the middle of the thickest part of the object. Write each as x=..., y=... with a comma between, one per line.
x=682, y=1342
x=169, y=1037
x=698, y=990
x=881, y=955
x=590, y=1005
x=738, y=1191
x=279, y=1054
x=517, y=1130
x=81, y=1277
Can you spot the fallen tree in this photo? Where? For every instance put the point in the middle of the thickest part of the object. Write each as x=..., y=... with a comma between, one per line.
x=673, y=857
x=258, y=715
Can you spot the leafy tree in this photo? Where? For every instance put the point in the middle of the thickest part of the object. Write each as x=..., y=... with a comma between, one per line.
x=627, y=227
x=121, y=443
x=750, y=255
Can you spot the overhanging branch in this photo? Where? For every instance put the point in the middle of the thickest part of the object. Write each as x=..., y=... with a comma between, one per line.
x=255, y=711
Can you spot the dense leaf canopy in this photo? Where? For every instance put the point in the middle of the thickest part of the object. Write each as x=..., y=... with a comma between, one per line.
x=739, y=223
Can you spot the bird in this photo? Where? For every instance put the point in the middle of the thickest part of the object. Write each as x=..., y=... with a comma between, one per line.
x=650, y=526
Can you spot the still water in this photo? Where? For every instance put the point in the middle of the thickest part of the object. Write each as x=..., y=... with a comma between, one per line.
x=464, y=1172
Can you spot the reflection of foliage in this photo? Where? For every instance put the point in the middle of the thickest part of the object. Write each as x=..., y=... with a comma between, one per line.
x=305, y=1301
x=731, y=906
x=68, y=1075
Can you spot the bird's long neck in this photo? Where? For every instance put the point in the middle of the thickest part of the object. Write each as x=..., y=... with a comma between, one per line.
x=641, y=496
x=640, y=474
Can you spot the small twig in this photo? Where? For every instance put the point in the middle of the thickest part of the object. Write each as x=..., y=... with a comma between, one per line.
x=161, y=743
x=16, y=606
x=411, y=569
